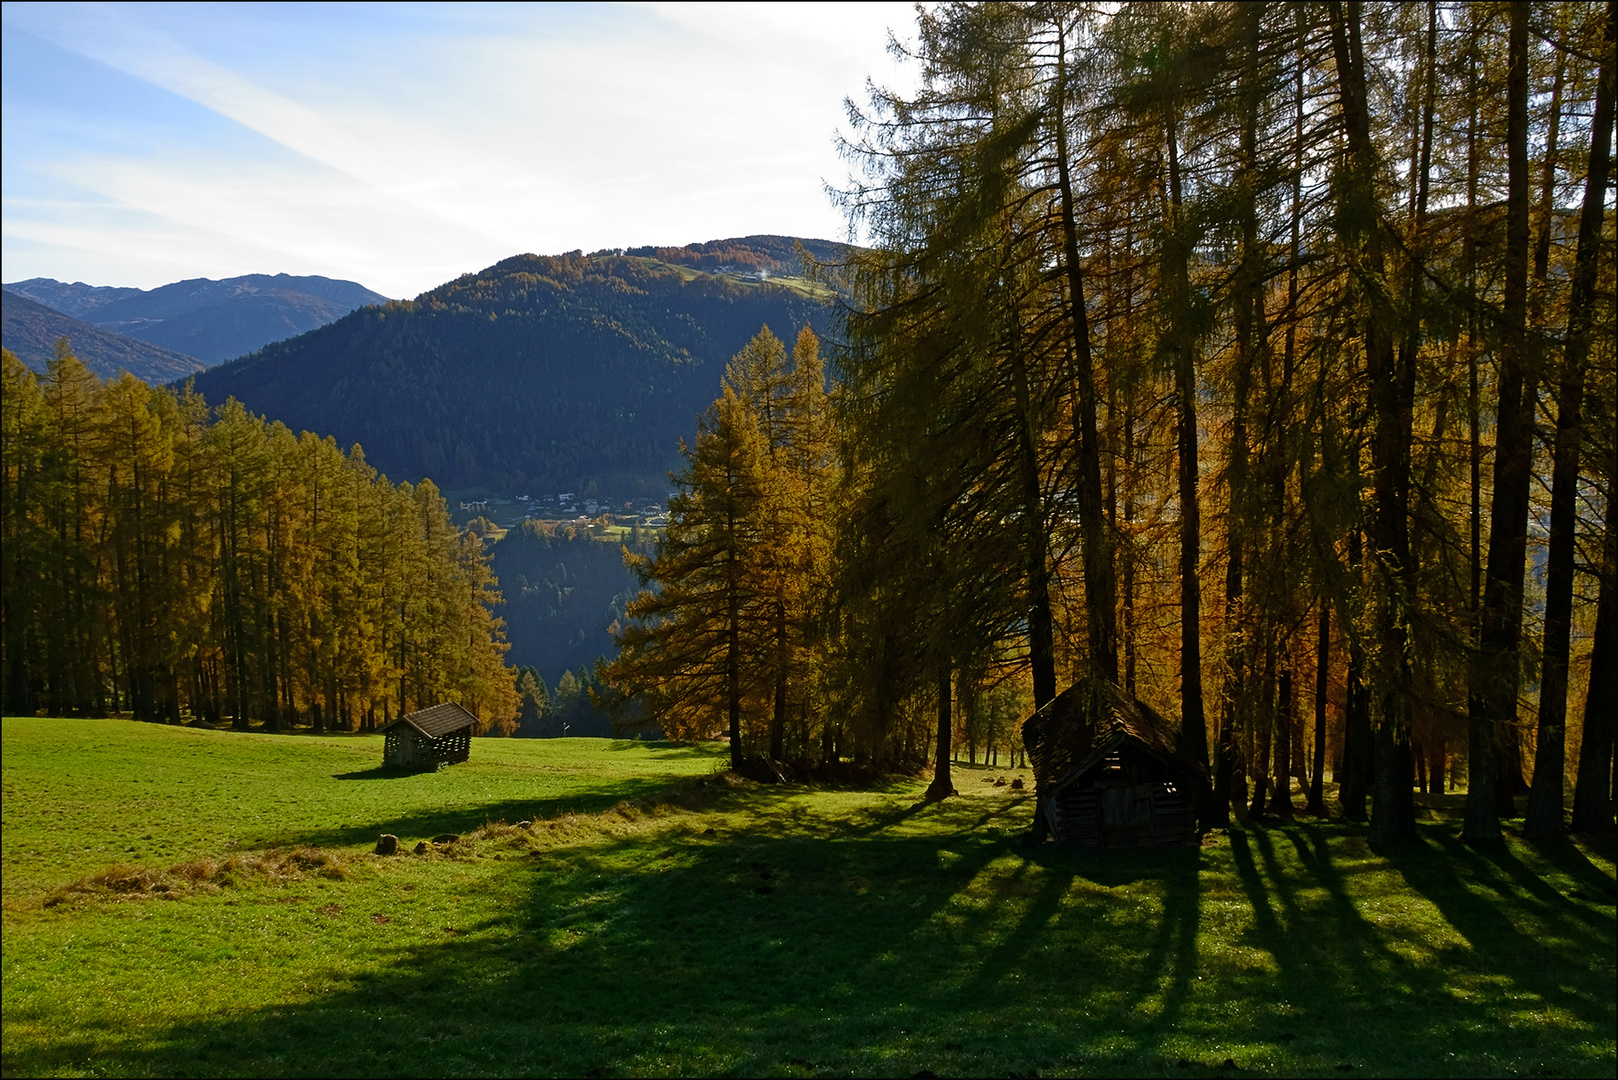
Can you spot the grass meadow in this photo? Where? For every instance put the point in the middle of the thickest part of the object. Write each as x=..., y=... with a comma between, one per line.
x=186, y=902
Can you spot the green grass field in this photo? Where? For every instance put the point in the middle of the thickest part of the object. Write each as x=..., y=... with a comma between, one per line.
x=81, y=794
x=723, y=927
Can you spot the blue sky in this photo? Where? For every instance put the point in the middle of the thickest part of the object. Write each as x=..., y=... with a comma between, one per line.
x=402, y=145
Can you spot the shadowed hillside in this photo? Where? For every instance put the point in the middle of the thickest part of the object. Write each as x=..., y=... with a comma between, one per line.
x=541, y=372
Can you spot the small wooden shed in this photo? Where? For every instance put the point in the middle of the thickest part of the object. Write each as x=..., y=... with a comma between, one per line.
x=428, y=738
x=1110, y=771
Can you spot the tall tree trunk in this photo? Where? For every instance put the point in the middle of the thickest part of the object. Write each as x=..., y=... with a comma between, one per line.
x=778, y=715
x=1193, y=721
x=1317, y=778
x=942, y=787
x=733, y=642
x=1100, y=588
x=1592, y=792
x=1545, y=800
x=1393, y=817
x=1492, y=704
x=1480, y=749
x=1281, y=801
x=1036, y=570
x=1128, y=633
x=1358, y=764
x=1263, y=735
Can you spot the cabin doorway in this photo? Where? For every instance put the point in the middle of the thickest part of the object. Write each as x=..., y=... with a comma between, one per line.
x=1126, y=815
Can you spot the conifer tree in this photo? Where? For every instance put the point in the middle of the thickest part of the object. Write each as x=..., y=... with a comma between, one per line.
x=684, y=657
x=1544, y=818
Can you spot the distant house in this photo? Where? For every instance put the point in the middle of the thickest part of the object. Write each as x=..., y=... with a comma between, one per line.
x=1110, y=770
x=428, y=738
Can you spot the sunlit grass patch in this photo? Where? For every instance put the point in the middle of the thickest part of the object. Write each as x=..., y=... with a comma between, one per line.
x=81, y=795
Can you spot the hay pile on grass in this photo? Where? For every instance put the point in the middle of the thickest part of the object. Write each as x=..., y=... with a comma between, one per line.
x=203, y=875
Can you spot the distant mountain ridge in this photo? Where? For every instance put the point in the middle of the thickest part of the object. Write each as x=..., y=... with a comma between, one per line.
x=540, y=372
x=31, y=330
x=211, y=320
x=76, y=299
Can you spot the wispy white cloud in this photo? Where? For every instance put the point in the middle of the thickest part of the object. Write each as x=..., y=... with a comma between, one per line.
x=401, y=153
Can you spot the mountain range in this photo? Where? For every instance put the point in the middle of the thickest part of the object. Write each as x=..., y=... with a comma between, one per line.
x=31, y=330
x=212, y=321
x=539, y=372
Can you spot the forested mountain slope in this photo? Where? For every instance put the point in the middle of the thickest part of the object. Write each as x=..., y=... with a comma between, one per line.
x=211, y=320
x=539, y=373
x=31, y=330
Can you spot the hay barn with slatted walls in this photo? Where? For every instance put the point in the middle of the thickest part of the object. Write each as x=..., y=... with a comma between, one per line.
x=428, y=738
x=1110, y=771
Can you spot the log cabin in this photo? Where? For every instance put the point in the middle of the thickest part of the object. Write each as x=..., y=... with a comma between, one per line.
x=1110, y=772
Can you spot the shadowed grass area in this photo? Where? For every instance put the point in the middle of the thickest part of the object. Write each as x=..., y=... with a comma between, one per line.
x=742, y=930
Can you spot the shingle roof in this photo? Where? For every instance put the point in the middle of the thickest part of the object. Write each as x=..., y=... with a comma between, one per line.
x=437, y=720
x=1087, y=721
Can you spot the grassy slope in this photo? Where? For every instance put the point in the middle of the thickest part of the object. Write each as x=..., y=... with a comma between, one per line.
x=784, y=931
x=80, y=794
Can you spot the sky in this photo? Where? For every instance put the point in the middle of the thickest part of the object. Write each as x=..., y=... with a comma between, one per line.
x=401, y=145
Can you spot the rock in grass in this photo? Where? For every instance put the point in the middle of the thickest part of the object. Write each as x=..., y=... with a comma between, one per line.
x=423, y=848
x=387, y=844
x=445, y=838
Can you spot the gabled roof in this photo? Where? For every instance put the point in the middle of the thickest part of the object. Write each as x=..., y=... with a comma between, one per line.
x=437, y=720
x=1091, y=719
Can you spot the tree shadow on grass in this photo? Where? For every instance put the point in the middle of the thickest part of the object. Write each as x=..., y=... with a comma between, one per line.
x=792, y=950
x=1559, y=950
x=1438, y=987
x=1568, y=856
x=1337, y=965
x=378, y=772
x=1107, y=938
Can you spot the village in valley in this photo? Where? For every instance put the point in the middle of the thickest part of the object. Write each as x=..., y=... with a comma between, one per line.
x=564, y=507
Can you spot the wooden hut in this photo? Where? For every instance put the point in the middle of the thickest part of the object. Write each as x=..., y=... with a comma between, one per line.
x=428, y=738
x=1110, y=771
